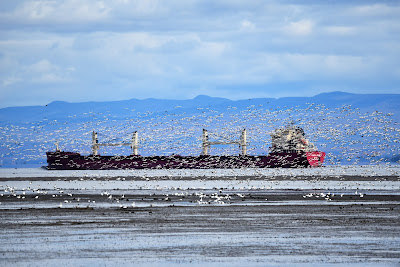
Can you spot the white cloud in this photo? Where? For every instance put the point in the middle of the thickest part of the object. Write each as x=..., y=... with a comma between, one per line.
x=270, y=68
x=44, y=71
x=36, y=10
x=147, y=8
x=211, y=49
x=67, y=11
x=48, y=78
x=340, y=30
x=42, y=66
x=10, y=80
x=301, y=27
x=379, y=9
x=153, y=48
x=247, y=25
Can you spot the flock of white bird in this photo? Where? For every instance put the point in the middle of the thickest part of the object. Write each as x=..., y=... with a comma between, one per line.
x=127, y=188
x=347, y=134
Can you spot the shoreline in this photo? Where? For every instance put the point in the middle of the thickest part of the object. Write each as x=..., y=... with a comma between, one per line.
x=350, y=173
x=211, y=178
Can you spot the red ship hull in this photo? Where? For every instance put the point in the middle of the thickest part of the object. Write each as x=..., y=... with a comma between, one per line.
x=75, y=161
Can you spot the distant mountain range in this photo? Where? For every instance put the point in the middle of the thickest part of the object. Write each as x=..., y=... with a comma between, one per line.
x=62, y=110
x=352, y=128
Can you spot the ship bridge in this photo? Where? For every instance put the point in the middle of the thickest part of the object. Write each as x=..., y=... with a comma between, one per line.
x=291, y=138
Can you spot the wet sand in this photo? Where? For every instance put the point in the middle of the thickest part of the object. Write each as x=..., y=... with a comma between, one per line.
x=239, y=235
x=109, y=223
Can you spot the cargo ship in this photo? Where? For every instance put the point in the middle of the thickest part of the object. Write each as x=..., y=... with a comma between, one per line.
x=289, y=149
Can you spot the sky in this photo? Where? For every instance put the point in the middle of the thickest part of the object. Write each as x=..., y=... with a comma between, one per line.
x=88, y=50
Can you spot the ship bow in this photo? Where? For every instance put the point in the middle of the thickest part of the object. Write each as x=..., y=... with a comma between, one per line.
x=315, y=158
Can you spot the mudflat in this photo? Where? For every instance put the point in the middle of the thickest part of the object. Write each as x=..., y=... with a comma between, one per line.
x=251, y=235
x=240, y=220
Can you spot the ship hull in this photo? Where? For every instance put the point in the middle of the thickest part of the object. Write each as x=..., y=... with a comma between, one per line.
x=75, y=161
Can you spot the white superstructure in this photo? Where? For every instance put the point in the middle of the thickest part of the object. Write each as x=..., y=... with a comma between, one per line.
x=291, y=138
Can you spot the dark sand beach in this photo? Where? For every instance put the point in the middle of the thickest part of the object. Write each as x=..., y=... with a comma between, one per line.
x=299, y=221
